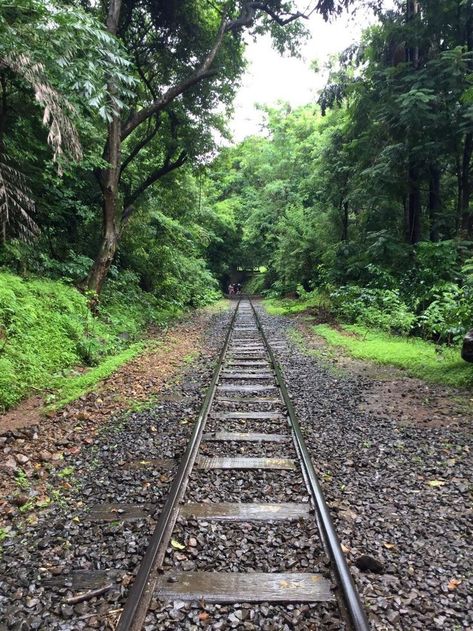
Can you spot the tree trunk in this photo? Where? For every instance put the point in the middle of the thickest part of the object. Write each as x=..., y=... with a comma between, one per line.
x=344, y=209
x=434, y=202
x=414, y=206
x=109, y=181
x=466, y=227
x=413, y=227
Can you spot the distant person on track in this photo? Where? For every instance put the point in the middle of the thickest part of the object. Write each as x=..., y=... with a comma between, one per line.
x=238, y=288
x=231, y=290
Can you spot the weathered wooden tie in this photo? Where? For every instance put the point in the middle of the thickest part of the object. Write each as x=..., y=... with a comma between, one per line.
x=248, y=511
x=245, y=387
x=225, y=462
x=219, y=587
x=246, y=437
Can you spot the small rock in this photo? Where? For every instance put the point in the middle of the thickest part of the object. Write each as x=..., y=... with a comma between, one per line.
x=21, y=458
x=9, y=465
x=366, y=563
x=19, y=500
x=393, y=617
x=67, y=611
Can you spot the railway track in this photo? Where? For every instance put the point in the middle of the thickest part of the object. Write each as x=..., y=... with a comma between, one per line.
x=246, y=451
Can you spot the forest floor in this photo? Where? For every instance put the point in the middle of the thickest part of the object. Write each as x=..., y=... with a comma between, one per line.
x=392, y=453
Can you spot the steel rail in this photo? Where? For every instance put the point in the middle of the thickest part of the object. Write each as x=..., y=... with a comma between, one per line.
x=350, y=595
x=139, y=593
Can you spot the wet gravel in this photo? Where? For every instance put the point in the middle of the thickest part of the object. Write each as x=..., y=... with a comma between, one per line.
x=236, y=547
x=399, y=494
x=243, y=617
x=247, y=425
x=246, y=486
x=234, y=449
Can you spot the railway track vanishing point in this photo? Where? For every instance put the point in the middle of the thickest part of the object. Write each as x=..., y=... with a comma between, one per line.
x=247, y=391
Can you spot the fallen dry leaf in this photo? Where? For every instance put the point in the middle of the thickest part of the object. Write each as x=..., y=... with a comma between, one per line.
x=435, y=483
x=203, y=616
x=344, y=548
x=389, y=546
x=453, y=584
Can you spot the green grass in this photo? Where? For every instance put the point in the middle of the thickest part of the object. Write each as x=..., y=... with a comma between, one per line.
x=417, y=357
x=288, y=306
x=47, y=329
x=68, y=389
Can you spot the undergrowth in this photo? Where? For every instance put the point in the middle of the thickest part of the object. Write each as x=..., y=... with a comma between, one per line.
x=47, y=329
x=288, y=306
x=67, y=389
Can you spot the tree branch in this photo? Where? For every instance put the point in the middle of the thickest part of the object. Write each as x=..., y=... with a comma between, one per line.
x=204, y=71
x=166, y=168
x=140, y=145
x=198, y=75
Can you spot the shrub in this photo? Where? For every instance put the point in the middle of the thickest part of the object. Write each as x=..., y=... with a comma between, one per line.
x=449, y=314
x=380, y=308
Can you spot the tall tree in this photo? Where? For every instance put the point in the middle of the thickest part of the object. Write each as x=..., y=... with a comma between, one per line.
x=188, y=56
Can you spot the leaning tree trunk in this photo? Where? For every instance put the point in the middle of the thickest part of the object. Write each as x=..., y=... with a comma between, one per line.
x=465, y=215
x=434, y=202
x=344, y=217
x=109, y=182
x=414, y=206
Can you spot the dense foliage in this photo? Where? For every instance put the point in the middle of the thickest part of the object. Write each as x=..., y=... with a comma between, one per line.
x=130, y=97
x=107, y=113
x=108, y=118
x=364, y=198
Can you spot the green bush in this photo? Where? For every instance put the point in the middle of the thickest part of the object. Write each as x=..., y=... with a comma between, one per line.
x=46, y=328
x=41, y=325
x=256, y=285
x=379, y=308
x=449, y=314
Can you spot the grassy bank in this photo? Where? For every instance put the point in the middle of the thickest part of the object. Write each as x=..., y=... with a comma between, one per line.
x=419, y=358
x=46, y=330
x=288, y=306
x=67, y=389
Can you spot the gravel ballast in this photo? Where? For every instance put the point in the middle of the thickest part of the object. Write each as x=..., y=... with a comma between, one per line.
x=41, y=557
x=397, y=494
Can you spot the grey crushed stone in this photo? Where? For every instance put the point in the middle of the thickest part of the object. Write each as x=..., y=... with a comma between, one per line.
x=375, y=476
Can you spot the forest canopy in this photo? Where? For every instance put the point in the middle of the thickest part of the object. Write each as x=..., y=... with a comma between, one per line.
x=111, y=177
x=364, y=198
